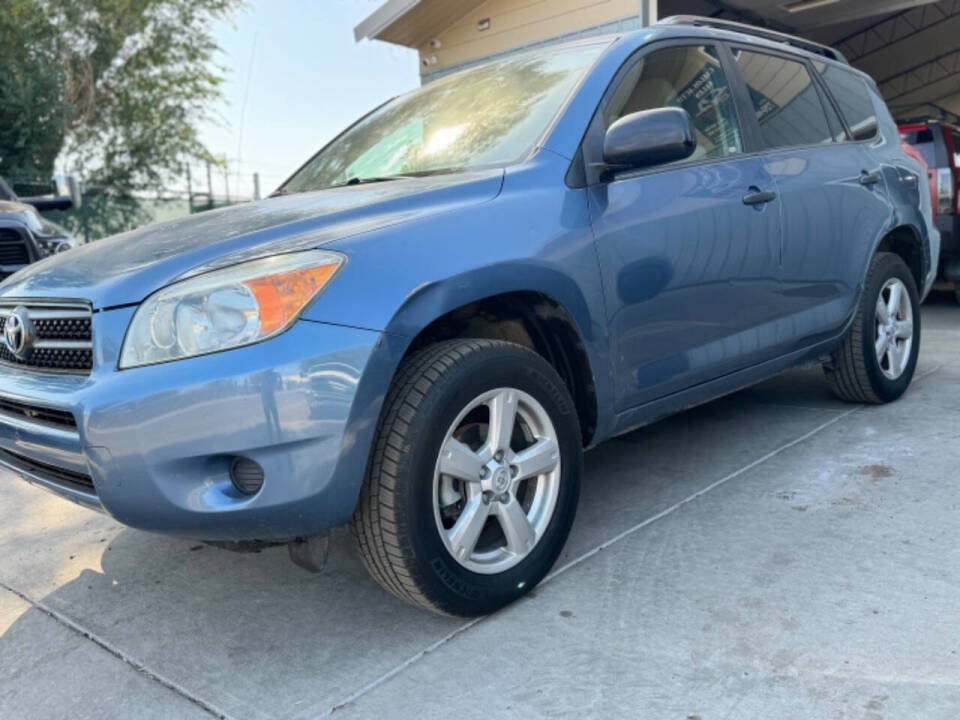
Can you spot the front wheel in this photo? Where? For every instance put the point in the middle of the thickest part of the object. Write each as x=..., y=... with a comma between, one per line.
x=474, y=479
x=877, y=359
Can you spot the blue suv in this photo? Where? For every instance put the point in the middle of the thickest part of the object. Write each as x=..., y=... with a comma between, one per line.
x=422, y=330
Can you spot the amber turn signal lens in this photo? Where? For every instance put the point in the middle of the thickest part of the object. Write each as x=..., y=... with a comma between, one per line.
x=283, y=295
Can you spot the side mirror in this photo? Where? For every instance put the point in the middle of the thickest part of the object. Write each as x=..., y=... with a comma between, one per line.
x=649, y=137
x=66, y=197
x=49, y=202
x=867, y=130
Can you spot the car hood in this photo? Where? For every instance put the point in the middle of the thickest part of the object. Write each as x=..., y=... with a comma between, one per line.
x=8, y=207
x=13, y=211
x=125, y=269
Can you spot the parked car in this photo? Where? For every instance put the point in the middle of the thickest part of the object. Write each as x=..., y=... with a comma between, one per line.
x=939, y=144
x=928, y=171
x=422, y=330
x=26, y=236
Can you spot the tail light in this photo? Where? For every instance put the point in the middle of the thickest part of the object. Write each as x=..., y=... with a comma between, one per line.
x=945, y=191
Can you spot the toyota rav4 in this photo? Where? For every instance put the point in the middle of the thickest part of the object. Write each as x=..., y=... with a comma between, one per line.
x=423, y=329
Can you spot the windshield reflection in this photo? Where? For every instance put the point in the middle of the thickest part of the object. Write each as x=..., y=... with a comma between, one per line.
x=489, y=115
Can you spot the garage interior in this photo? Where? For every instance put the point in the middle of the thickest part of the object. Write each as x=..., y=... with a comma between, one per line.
x=911, y=48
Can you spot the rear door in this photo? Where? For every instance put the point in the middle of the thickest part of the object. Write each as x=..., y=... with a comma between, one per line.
x=834, y=203
x=689, y=268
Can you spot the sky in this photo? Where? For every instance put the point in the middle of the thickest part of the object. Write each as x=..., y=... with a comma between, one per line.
x=295, y=79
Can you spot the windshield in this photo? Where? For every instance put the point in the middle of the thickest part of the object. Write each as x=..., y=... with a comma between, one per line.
x=487, y=116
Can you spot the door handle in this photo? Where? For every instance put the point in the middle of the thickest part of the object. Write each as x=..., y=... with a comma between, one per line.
x=756, y=196
x=870, y=178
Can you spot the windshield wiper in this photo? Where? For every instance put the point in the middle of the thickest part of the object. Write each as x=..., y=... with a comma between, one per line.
x=367, y=180
x=357, y=180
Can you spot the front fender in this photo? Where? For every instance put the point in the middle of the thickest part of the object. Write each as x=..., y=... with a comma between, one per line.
x=534, y=237
x=429, y=302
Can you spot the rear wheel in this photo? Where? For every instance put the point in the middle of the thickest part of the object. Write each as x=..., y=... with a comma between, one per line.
x=877, y=359
x=474, y=479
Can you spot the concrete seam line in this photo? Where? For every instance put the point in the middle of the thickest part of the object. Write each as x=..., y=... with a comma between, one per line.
x=373, y=684
x=699, y=493
x=586, y=556
x=117, y=653
x=924, y=374
x=714, y=485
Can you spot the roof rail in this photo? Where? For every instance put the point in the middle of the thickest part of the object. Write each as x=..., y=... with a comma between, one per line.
x=698, y=21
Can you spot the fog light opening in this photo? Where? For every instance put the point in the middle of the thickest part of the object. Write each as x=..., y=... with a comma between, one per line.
x=246, y=475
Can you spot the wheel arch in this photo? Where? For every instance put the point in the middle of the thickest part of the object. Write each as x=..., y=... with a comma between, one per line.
x=905, y=241
x=534, y=303
x=535, y=320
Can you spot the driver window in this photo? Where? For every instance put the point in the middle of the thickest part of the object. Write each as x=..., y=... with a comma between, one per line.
x=686, y=77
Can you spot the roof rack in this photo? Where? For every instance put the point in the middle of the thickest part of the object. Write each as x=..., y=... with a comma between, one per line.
x=698, y=21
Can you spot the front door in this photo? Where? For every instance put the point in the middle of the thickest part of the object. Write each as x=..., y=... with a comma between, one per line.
x=689, y=252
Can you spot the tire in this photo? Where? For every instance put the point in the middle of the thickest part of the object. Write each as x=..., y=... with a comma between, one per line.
x=855, y=372
x=406, y=503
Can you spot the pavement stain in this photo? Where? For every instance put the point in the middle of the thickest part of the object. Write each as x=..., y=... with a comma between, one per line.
x=781, y=558
x=877, y=472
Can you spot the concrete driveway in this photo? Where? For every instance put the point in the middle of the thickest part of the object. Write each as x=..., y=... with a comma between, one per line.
x=774, y=554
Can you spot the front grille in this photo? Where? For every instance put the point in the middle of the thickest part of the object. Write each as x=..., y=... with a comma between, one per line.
x=50, y=473
x=36, y=413
x=13, y=248
x=62, y=338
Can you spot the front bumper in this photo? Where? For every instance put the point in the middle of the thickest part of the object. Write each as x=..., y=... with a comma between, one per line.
x=156, y=442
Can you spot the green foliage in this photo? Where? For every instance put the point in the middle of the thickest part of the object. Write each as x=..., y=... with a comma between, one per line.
x=33, y=109
x=118, y=86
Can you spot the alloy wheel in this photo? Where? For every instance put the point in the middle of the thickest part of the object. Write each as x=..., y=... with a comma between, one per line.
x=496, y=481
x=893, y=338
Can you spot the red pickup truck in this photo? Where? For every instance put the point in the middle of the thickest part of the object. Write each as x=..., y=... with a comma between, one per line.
x=938, y=143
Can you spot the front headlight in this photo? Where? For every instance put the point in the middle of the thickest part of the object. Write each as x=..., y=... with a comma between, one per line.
x=228, y=308
x=54, y=245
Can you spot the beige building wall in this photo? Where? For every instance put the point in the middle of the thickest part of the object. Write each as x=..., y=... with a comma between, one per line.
x=500, y=25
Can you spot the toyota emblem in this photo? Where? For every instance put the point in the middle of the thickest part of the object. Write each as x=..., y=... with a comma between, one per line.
x=18, y=333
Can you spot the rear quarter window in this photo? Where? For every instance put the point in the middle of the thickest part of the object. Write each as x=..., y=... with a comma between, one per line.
x=853, y=98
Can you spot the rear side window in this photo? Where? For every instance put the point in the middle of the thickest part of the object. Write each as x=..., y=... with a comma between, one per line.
x=852, y=96
x=785, y=100
x=686, y=77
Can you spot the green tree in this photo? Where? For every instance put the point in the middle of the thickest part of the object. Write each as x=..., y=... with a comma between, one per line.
x=33, y=109
x=118, y=87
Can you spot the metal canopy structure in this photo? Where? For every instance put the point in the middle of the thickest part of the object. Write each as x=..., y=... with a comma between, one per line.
x=912, y=49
